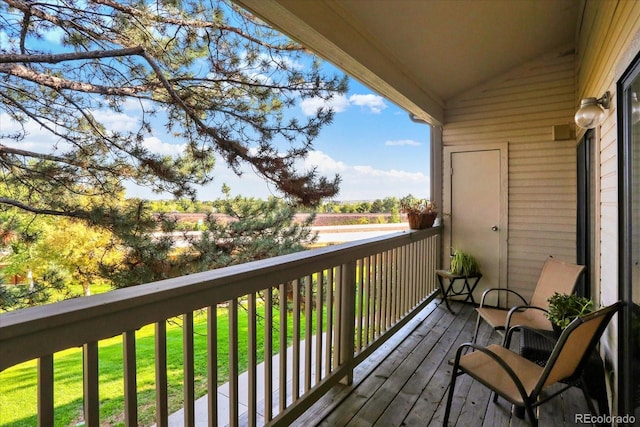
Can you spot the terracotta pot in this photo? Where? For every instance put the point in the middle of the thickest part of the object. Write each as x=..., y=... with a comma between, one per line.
x=419, y=221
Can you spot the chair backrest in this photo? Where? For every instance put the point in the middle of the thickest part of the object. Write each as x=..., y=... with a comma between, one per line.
x=556, y=276
x=575, y=345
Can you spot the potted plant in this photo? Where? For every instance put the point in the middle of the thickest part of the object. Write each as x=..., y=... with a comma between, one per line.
x=421, y=213
x=463, y=264
x=564, y=308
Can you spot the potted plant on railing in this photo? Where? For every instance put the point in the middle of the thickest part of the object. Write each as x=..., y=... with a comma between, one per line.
x=421, y=213
x=564, y=308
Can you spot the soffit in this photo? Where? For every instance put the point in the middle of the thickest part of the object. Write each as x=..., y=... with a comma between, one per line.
x=421, y=53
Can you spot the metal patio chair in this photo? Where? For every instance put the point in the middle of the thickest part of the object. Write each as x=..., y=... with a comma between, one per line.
x=556, y=276
x=522, y=382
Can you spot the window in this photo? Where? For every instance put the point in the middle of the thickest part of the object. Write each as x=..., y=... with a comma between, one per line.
x=629, y=238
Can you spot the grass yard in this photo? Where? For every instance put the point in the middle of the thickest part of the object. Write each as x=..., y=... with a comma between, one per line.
x=18, y=385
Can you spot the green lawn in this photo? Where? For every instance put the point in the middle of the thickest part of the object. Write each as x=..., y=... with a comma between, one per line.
x=18, y=384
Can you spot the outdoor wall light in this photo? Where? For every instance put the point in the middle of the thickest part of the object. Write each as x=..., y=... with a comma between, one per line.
x=591, y=112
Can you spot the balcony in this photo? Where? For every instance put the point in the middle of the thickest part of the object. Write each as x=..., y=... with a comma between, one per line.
x=405, y=383
x=363, y=342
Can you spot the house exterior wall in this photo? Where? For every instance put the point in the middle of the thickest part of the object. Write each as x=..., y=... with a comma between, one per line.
x=520, y=108
x=607, y=43
x=608, y=40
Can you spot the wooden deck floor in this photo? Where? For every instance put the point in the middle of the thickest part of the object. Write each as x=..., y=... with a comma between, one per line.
x=405, y=383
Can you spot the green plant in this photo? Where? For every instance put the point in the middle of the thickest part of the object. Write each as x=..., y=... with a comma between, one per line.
x=410, y=205
x=564, y=308
x=463, y=264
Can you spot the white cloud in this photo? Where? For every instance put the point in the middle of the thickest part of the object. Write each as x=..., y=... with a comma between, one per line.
x=402, y=142
x=114, y=121
x=369, y=171
x=339, y=103
x=374, y=103
x=324, y=163
x=364, y=182
x=155, y=145
x=54, y=35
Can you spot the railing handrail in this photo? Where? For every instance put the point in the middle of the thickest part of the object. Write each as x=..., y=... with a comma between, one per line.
x=30, y=333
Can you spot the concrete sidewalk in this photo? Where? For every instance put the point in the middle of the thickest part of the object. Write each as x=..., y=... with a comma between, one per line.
x=201, y=415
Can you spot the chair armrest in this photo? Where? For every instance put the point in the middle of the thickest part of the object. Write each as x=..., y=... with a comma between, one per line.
x=507, y=324
x=511, y=291
x=514, y=377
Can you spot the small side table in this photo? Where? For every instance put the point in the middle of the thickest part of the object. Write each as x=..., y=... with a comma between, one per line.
x=467, y=287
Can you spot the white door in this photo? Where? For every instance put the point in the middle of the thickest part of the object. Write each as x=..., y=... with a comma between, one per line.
x=478, y=211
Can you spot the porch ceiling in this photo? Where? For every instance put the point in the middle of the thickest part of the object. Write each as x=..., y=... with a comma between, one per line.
x=420, y=53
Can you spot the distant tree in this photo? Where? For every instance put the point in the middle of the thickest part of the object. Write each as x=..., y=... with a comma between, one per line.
x=56, y=257
x=363, y=207
x=377, y=206
x=390, y=204
x=257, y=229
x=221, y=81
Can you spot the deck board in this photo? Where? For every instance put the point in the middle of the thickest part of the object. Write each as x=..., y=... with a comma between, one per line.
x=405, y=382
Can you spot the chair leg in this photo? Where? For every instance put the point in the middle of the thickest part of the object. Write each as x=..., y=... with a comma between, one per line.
x=531, y=414
x=475, y=332
x=447, y=411
x=590, y=405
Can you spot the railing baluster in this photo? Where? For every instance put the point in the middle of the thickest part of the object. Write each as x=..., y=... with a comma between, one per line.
x=45, y=391
x=394, y=286
x=233, y=363
x=402, y=281
x=252, y=360
x=423, y=269
x=188, y=369
x=319, y=318
x=162, y=407
x=412, y=269
x=337, y=337
x=419, y=278
x=390, y=290
x=407, y=277
x=283, y=349
x=360, y=304
x=366, y=278
x=295, y=373
x=329, y=339
x=212, y=364
x=90, y=380
x=426, y=271
x=130, y=378
x=268, y=355
x=383, y=292
x=308, y=307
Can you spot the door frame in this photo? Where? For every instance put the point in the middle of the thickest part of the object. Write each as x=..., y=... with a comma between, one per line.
x=503, y=226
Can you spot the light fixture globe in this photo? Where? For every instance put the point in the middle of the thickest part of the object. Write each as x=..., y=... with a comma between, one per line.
x=591, y=112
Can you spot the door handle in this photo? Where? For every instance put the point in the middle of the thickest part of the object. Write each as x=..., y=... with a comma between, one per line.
x=494, y=228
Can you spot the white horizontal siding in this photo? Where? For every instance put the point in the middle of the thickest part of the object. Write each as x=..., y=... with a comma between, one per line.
x=520, y=108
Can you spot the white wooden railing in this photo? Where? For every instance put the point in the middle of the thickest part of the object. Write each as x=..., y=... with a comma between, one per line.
x=348, y=299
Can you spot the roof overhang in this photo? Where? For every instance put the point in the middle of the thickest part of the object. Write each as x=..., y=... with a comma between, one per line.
x=419, y=54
